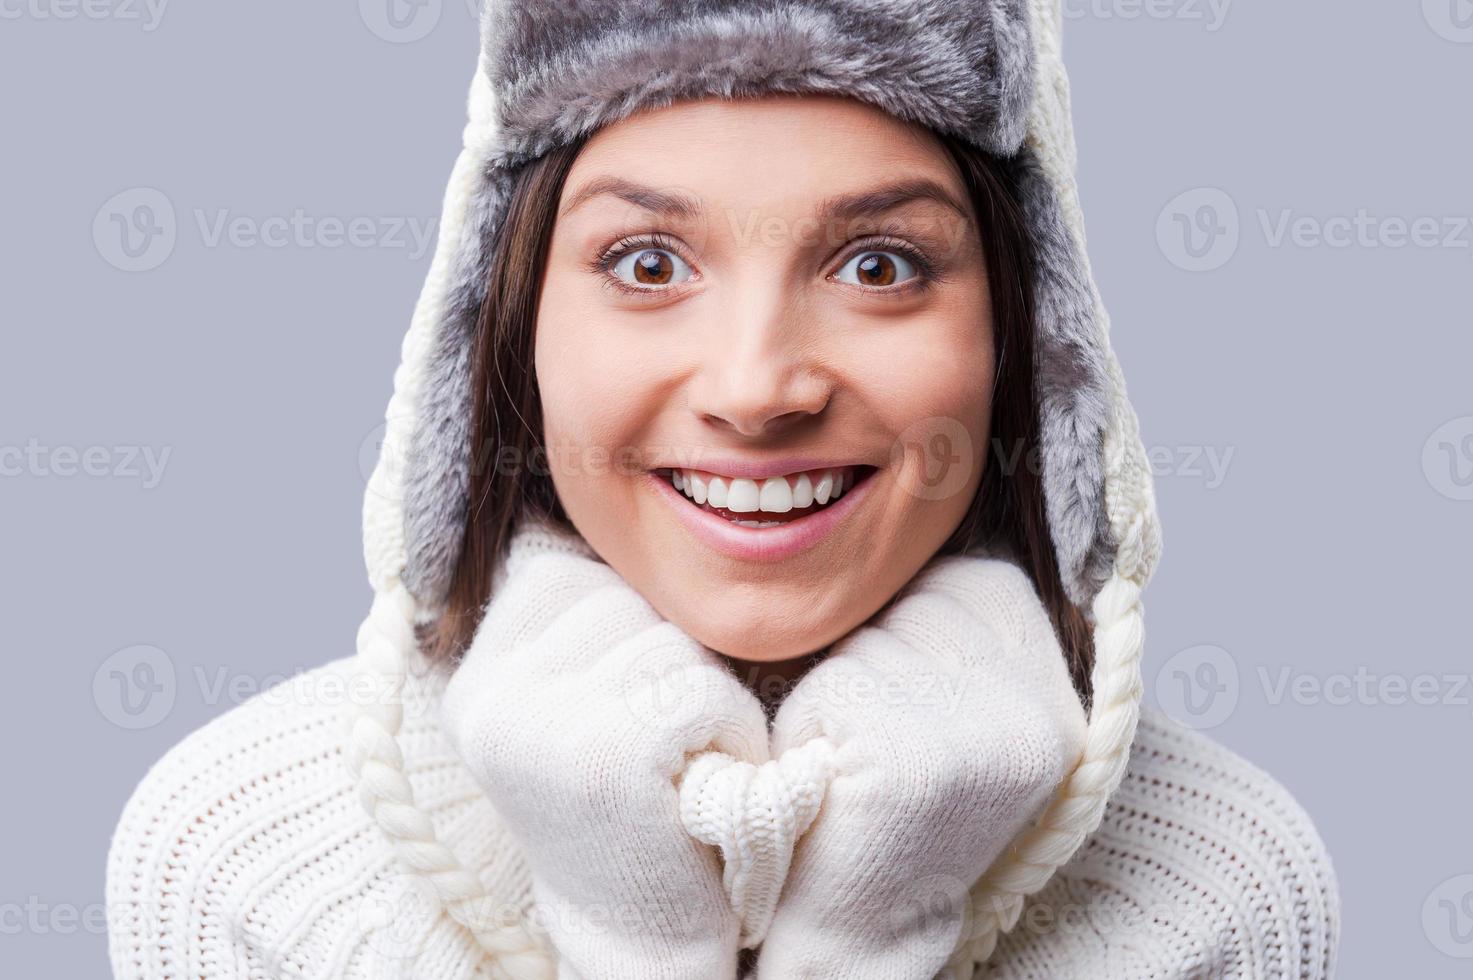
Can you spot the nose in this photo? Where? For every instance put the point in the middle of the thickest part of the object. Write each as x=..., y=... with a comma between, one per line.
x=760, y=371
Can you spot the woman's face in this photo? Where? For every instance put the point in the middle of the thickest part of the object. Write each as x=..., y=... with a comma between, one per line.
x=751, y=302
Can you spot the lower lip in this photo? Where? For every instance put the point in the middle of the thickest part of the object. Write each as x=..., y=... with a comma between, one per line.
x=764, y=544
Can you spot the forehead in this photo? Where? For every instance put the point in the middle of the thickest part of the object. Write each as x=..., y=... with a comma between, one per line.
x=795, y=154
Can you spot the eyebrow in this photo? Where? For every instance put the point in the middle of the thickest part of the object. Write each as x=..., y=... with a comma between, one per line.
x=870, y=204
x=844, y=207
x=666, y=203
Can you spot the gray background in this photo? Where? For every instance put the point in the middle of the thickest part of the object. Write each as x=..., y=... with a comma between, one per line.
x=1335, y=539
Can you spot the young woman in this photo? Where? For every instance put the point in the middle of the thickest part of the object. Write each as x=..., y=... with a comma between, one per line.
x=758, y=543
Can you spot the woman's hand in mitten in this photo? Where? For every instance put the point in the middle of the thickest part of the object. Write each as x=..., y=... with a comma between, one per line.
x=955, y=721
x=575, y=707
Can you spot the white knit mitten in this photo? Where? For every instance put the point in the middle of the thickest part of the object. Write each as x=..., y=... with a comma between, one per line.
x=576, y=708
x=954, y=721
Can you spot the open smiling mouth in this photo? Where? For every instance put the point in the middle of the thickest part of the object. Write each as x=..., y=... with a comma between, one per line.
x=771, y=502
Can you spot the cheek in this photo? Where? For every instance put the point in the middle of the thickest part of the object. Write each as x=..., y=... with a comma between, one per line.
x=571, y=389
x=598, y=401
x=576, y=377
x=934, y=394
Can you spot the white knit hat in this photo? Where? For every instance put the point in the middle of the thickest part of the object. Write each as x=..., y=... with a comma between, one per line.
x=552, y=71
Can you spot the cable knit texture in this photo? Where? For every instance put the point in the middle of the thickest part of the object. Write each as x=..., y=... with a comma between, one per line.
x=577, y=708
x=245, y=853
x=754, y=816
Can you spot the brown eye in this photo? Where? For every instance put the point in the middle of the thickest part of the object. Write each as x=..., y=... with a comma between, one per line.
x=878, y=269
x=651, y=267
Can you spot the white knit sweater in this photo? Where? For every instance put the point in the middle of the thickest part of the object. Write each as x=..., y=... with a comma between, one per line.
x=245, y=853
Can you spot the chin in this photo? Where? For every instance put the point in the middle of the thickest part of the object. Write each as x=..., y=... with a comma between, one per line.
x=741, y=648
x=759, y=635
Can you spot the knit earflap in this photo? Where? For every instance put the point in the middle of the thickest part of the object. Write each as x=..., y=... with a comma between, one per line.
x=997, y=901
x=386, y=641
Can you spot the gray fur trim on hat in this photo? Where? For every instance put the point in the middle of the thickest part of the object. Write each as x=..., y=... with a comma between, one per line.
x=564, y=69
x=1073, y=389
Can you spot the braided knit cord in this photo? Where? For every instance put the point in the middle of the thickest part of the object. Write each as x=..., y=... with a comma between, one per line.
x=386, y=642
x=997, y=900
x=377, y=765
x=1076, y=809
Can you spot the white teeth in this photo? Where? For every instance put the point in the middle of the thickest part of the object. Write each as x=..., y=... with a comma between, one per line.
x=803, y=491
x=742, y=496
x=825, y=487
x=773, y=495
x=776, y=496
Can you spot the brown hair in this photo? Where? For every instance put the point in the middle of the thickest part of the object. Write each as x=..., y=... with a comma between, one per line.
x=509, y=474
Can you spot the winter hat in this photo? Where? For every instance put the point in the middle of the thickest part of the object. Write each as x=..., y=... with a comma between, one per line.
x=552, y=71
